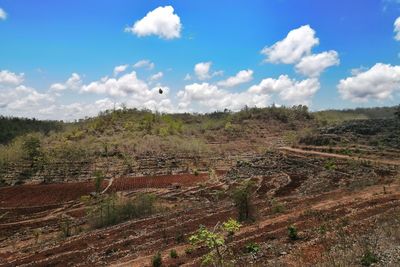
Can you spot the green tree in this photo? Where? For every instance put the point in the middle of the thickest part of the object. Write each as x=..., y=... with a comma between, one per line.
x=216, y=241
x=242, y=199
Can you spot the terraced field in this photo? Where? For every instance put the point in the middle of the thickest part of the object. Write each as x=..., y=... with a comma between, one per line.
x=323, y=201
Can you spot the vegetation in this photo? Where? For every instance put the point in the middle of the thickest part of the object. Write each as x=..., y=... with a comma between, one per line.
x=216, y=240
x=173, y=254
x=99, y=177
x=242, y=199
x=110, y=210
x=292, y=232
x=156, y=261
x=11, y=127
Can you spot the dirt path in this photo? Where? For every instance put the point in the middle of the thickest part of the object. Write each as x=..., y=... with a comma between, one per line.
x=339, y=156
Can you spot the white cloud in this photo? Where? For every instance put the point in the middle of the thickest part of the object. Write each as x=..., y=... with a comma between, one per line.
x=126, y=84
x=301, y=92
x=297, y=44
x=207, y=97
x=10, y=78
x=290, y=91
x=73, y=83
x=202, y=71
x=156, y=76
x=144, y=63
x=3, y=14
x=161, y=22
x=314, y=65
x=397, y=29
x=23, y=101
x=188, y=77
x=378, y=83
x=242, y=76
x=119, y=69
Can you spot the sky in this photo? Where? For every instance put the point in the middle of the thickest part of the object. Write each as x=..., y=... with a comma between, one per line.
x=67, y=60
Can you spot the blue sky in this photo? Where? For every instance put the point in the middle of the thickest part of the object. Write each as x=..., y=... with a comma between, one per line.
x=347, y=55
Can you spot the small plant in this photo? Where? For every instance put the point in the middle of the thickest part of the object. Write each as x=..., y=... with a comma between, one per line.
x=292, y=232
x=277, y=207
x=188, y=251
x=66, y=227
x=99, y=177
x=368, y=258
x=330, y=165
x=173, y=254
x=156, y=261
x=216, y=241
x=252, y=248
x=196, y=173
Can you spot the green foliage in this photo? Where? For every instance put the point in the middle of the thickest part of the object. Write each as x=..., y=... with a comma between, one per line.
x=277, y=207
x=330, y=165
x=65, y=227
x=173, y=254
x=252, y=248
x=98, y=180
x=368, y=258
x=242, y=199
x=11, y=127
x=216, y=241
x=110, y=210
x=156, y=261
x=292, y=232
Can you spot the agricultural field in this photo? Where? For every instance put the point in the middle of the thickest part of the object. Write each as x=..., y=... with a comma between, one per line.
x=280, y=196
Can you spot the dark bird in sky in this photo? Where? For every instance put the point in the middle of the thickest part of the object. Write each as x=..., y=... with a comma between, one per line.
x=160, y=91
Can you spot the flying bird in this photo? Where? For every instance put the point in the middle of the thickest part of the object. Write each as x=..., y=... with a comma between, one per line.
x=160, y=91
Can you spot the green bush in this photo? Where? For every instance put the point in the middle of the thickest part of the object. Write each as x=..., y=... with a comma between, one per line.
x=242, y=199
x=252, y=248
x=292, y=232
x=368, y=258
x=173, y=254
x=156, y=261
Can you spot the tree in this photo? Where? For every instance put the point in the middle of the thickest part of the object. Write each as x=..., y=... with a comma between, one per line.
x=99, y=177
x=216, y=241
x=242, y=199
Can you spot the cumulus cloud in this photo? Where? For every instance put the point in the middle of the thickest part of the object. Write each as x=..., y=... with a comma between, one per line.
x=73, y=83
x=293, y=47
x=202, y=71
x=161, y=22
x=377, y=83
x=126, y=84
x=23, y=101
x=3, y=14
x=314, y=65
x=242, y=76
x=144, y=63
x=397, y=29
x=209, y=97
x=156, y=77
x=289, y=90
x=10, y=78
x=119, y=69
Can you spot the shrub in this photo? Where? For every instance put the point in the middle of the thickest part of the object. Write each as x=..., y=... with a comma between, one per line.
x=156, y=261
x=368, y=258
x=99, y=177
x=173, y=254
x=252, y=248
x=242, y=199
x=292, y=232
x=216, y=241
